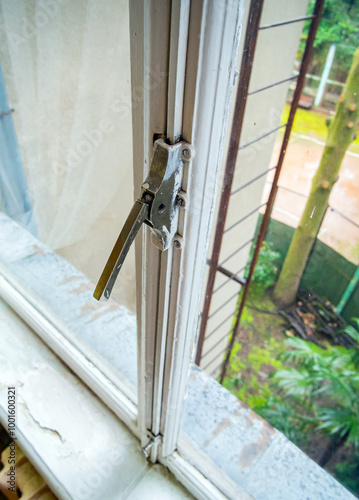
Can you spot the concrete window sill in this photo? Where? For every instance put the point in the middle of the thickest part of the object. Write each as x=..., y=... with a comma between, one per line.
x=82, y=449
x=78, y=445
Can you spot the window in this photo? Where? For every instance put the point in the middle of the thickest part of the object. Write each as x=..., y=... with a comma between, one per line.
x=251, y=318
x=174, y=77
x=70, y=159
x=178, y=60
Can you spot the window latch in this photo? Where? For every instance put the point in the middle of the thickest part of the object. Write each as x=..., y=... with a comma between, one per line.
x=153, y=442
x=157, y=206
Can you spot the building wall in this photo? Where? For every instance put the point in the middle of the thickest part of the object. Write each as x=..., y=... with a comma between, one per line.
x=275, y=54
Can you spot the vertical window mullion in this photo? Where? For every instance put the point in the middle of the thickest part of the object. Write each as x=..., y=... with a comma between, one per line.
x=211, y=57
x=150, y=23
x=183, y=59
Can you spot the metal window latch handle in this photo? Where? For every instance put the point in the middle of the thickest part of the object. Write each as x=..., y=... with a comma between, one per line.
x=157, y=207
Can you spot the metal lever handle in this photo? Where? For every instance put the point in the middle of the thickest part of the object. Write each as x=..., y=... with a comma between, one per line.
x=157, y=207
x=138, y=215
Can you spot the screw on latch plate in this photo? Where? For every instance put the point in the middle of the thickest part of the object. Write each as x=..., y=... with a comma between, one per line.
x=178, y=242
x=157, y=206
x=182, y=199
x=187, y=152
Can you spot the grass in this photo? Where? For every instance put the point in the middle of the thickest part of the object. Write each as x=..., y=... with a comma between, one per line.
x=255, y=356
x=313, y=124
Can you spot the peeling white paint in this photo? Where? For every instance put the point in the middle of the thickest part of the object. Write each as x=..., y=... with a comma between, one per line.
x=77, y=444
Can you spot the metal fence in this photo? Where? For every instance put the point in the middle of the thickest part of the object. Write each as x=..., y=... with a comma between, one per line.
x=215, y=266
x=351, y=284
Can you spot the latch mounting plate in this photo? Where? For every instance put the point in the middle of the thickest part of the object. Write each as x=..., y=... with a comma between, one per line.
x=157, y=206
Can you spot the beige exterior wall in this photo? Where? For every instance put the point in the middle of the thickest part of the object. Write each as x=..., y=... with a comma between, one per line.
x=274, y=59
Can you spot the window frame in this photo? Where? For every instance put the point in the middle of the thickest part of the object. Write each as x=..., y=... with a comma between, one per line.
x=190, y=102
x=192, y=105
x=195, y=56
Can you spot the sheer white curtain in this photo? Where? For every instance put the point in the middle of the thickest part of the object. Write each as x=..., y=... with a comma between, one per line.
x=67, y=71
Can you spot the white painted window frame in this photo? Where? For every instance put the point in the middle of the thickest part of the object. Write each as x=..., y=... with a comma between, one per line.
x=182, y=67
x=198, y=42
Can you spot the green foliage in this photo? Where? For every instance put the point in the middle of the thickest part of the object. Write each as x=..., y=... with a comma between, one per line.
x=340, y=422
x=253, y=393
x=354, y=334
x=247, y=316
x=242, y=379
x=348, y=474
x=324, y=383
x=235, y=362
x=266, y=270
x=313, y=124
x=261, y=396
x=318, y=392
x=234, y=382
x=311, y=389
x=283, y=416
x=258, y=357
x=340, y=25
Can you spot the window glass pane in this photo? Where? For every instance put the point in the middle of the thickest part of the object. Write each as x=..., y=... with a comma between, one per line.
x=294, y=355
x=66, y=164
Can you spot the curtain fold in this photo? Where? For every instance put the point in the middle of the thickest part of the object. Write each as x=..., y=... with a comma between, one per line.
x=67, y=72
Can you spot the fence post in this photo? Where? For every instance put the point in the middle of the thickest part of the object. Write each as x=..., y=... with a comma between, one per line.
x=348, y=291
x=325, y=75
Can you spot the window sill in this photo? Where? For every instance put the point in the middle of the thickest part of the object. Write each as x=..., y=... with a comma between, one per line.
x=79, y=446
x=243, y=455
x=255, y=456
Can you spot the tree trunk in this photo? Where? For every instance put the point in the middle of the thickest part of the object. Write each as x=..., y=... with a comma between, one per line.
x=334, y=445
x=340, y=134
